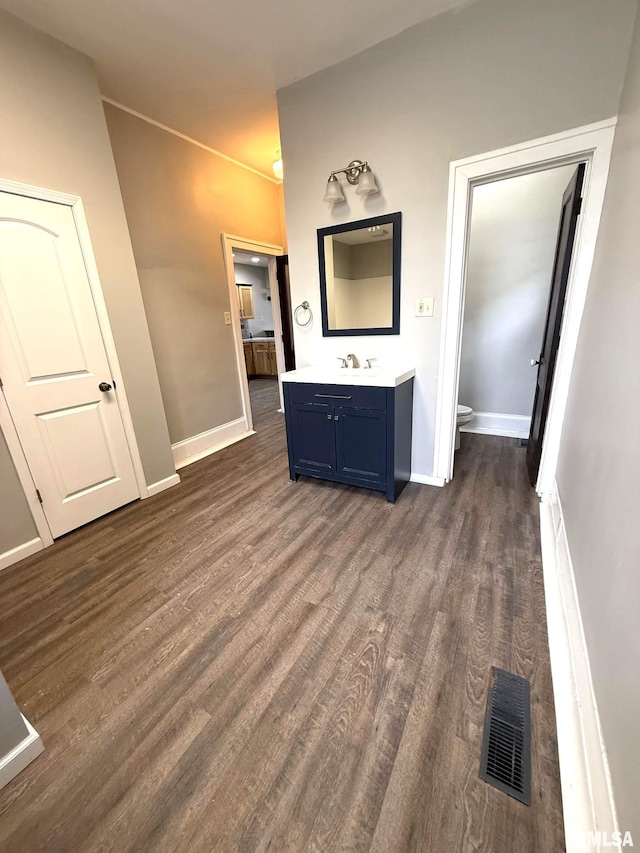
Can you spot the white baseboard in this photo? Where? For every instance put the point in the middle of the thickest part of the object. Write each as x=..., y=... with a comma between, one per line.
x=20, y=756
x=14, y=555
x=427, y=480
x=198, y=446
x=493, y=423
x=161, y=485
x=587, y=795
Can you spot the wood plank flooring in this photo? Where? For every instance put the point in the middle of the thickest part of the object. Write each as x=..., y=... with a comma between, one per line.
x=243, y=663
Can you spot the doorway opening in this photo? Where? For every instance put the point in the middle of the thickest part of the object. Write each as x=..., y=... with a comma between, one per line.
x=521, y=237
x=589, y=146
x=257, y=320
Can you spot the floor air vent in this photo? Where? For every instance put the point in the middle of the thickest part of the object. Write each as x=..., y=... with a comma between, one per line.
x=506, y=745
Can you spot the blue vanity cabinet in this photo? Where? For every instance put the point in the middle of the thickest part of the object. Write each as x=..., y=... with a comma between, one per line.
x=361, y=446
x=359, y=435
x=313, y=426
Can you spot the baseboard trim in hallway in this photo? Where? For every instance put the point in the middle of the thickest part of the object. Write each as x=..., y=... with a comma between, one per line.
x=427, y=479
x=161, y=485
x=20, y=552
x=587, y=795
x=14, y=762
x=211, y=441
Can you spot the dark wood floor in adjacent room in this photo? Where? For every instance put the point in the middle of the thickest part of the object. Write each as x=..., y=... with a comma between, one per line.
x=242, y=663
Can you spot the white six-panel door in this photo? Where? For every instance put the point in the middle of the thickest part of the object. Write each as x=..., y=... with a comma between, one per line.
x=52, y=360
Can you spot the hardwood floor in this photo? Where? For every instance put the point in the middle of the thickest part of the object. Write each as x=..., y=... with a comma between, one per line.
x=243, y=663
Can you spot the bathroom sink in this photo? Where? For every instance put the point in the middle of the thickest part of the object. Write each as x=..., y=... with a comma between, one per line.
x=377, y=377
x=352, y=371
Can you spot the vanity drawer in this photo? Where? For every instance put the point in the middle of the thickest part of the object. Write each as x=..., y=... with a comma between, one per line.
x=347, y=396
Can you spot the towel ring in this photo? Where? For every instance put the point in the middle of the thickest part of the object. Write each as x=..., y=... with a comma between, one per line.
x=304, y=306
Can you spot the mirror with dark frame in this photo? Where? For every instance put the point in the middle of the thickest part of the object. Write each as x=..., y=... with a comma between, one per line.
x=360, y=276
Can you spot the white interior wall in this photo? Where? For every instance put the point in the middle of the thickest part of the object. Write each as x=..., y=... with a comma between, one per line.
x=512, y=243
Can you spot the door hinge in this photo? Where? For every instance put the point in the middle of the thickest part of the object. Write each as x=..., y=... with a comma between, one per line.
x=39, y=495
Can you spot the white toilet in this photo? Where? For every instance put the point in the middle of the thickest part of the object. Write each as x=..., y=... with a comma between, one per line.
x=465, y=414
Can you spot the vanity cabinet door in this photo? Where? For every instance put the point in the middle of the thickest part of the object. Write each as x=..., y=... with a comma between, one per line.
x=361, y=445
x=313, y=438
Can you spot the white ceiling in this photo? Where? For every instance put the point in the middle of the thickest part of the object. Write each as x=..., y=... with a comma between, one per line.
x=210, y=69
x=363, y=235
x=242, y=258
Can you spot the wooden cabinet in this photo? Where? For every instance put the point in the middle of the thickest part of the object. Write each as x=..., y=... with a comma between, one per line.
x=264, y=358
x=245, y=301
x=351, y=434
x=248, y=358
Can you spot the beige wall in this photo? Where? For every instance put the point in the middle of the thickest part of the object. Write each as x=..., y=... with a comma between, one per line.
x=485, y=76
x=53, y=135
x=179, y=199
x=598, y=475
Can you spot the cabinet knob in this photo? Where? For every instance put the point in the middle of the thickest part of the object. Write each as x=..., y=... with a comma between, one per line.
x=335, y=417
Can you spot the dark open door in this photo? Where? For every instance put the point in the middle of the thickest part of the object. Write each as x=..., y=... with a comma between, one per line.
x=282, y=271
x=571, y=204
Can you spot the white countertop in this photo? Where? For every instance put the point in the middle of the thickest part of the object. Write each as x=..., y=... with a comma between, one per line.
x=377, y=377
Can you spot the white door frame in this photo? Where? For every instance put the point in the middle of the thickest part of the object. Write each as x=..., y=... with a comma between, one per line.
x=591, y=144
x=6, y=421
x=229, y=243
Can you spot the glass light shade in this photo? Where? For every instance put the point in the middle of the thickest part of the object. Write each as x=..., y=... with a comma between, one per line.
x=367, y=183
x=278, y=169
x=333, y=192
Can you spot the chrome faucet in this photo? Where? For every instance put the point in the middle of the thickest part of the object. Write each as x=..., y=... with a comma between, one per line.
x=353, y=359
x=343, y=360
x=370, y=362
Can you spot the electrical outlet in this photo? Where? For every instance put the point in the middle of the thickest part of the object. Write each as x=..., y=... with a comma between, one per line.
x=424, y=306
x=227, y=318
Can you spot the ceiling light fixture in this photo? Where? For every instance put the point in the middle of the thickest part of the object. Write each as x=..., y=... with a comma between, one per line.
x=278, y=168
x=357, y=172
x=255, y=259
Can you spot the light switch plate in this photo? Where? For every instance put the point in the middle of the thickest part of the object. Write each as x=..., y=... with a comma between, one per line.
x=424, y=306
x=227, y=318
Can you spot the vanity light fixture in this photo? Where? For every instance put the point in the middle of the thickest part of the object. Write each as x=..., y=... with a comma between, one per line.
x=357, y=172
